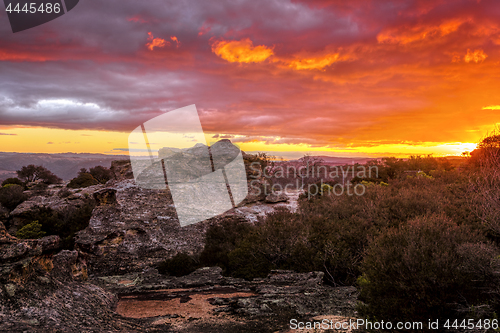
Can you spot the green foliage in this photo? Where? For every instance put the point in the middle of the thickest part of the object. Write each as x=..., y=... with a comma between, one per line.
x=179, y=265
x=84, y=179
x=332, y=232
x=12, y=195
x=64, y=223
x=325, y=189
x=394, y=168
x=32, y=173
x=425, y=269
x=12, y=181
x=31, y=231
x=221, y=239
x=276, y=242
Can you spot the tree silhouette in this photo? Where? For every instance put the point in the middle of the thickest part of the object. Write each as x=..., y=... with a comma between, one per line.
x=32, y=173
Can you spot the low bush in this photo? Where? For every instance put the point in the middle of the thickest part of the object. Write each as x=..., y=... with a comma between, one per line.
x=101, y=174
x=428, y=268
x=12, y=195
x=31, y=231
x=15, y=181
x=32, y=173
x=65, y=223
x=84, y=179
x=276, y=242
x=221, y=239
x=179, y=265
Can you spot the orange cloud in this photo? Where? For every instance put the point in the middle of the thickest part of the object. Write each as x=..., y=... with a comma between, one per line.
x=155, y=42
x=175, y=40
x=244, y=51
x=314, y=62
x=241, y=51
x=477, y=56
x=406, y=35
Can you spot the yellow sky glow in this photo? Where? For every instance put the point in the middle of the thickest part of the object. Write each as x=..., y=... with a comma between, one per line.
x=49, y=140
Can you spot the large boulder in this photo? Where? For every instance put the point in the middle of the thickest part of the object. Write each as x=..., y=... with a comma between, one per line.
x=134, y=228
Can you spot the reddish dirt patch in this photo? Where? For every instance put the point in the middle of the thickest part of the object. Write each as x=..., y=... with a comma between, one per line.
x=184, y=303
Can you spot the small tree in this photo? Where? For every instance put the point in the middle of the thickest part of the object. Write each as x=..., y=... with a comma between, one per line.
x=32, y=173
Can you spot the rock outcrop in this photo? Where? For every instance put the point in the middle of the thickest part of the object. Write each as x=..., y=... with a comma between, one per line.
x=45, y=291
x=207, y=299
x=134, y=228
x=276, y=197
x=25, y=212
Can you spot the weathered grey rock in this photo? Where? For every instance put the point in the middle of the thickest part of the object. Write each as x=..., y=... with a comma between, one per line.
x=105, y=196
x=40, y=292
x=276, y=197
x=137, y=230
x=122, y=170
x=23, y=213
x=202, y=277
x=302, y=293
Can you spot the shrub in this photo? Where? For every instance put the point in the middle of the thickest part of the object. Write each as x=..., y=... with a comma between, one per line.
x=221, y=239
x=101, y=174
x=64, y=223
x=31, y=231
x=250, y=251
x=179, y=265
x=15, y=181
x=84, y=179
x=273, y=243
x=428, y=268
x=11, y=196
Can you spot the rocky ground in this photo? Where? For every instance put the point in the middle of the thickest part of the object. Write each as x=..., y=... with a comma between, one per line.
x=109, y=282
x=46, y=290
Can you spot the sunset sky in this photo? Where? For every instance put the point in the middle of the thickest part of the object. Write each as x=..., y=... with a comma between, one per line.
x=340, y=78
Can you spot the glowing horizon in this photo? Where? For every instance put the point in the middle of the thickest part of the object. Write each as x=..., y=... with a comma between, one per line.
x=357, y=78
x=50, y=140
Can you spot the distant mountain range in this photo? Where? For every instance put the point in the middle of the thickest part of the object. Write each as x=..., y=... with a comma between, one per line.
x=332, y=160
x=65, y=165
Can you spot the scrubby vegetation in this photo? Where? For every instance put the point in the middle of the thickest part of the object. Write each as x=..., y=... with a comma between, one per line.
x=15, y=181
x=93, y=176
x=179, y=265
x=31, y=230
x=421, y=243
x=12, y=195
x=64, y=223
x=429, y=267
